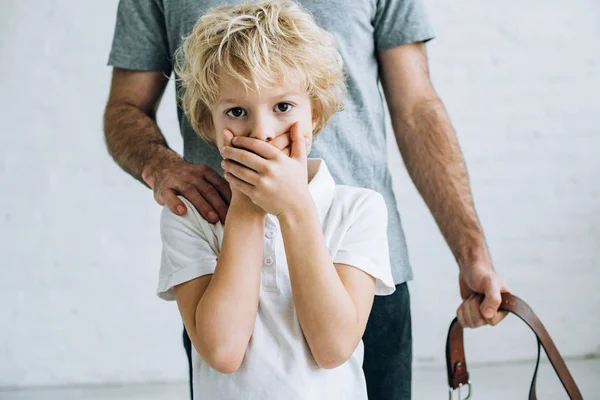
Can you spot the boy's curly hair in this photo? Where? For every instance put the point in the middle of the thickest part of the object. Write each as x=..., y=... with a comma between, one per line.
x=259, y=44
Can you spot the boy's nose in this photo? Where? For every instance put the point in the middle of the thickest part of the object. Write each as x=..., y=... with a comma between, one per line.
x=262, y=132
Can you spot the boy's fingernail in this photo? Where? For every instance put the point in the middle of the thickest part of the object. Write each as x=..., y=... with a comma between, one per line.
x=234, y=140
x=213, y=216
x=180, y=209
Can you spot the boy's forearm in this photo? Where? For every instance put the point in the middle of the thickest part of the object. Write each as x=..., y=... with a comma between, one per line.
x=435, y=163
x=134, y=140
x=326, y=312
x=226, y=312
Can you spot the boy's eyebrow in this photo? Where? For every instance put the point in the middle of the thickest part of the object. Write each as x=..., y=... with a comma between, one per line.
x=287, y=94
x=227, y=101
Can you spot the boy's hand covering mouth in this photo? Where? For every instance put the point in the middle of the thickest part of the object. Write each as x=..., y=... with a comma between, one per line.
x=273, y=181
x=283, y=143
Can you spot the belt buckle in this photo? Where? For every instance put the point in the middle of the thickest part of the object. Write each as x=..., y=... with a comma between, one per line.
x=460, y=389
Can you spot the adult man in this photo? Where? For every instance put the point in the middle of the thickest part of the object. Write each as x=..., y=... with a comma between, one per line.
x=380, y=41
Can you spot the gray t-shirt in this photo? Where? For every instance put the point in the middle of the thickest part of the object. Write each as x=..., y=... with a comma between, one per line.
x=353, y=143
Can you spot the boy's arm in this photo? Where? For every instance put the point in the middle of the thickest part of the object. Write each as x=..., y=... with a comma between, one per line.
x=219, y=310
x=333, y=301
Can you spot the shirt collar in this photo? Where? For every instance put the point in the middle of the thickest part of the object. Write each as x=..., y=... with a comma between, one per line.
x=321, y=186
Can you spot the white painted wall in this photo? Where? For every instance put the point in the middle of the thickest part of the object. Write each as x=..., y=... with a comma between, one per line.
x=79, y=245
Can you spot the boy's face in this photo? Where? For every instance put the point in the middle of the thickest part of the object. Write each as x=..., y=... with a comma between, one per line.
x=265, y=115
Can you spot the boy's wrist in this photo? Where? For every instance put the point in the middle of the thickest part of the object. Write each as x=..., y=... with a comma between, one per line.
x=303, y=208
x=242, y=203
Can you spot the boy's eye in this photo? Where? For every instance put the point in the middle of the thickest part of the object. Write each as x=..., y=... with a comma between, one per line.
x=283, y=107
x=236, y=112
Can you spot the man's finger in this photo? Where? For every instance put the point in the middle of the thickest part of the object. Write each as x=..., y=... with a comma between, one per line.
x=220, y=184
x=492, y=299
x=467, y=313
x=461, y=316
x=168, y=197
x=476, y=319
x=499, y=316
x=214, y=199
x=193, y=195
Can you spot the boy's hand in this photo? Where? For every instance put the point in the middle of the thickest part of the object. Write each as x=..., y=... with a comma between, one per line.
x=239, y=200
x=274, y=182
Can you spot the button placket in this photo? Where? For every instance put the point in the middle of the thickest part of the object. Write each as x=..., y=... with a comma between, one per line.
x=269, y=269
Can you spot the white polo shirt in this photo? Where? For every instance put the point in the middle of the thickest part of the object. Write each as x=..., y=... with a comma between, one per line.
x=278, y=363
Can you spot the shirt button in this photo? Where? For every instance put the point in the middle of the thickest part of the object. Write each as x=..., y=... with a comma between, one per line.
x=270, y=234
x=268, y=261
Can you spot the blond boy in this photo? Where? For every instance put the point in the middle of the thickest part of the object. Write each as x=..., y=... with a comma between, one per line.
x=275, y=300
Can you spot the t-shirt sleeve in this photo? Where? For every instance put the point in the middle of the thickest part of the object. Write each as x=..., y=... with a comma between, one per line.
x=399, y=22
x=365, y=244
x=140, y=40
x=189, y=249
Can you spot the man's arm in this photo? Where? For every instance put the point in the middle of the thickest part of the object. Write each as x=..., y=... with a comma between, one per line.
x=136, y=143
x=219, y=310
x=433, y=159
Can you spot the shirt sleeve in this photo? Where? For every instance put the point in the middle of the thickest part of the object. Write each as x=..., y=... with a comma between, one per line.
x=189, y=249
x=365, y=244
x=399, y=22
x=140, y=40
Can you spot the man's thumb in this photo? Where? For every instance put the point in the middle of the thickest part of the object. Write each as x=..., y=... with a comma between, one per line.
x=491, y=301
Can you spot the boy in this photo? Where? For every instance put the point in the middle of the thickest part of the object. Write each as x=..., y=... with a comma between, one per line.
x=275, y=300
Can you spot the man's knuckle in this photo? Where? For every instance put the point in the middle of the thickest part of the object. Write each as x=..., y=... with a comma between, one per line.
x=186, y=188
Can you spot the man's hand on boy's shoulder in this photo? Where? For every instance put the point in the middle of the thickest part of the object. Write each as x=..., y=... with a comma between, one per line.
x=170, y=175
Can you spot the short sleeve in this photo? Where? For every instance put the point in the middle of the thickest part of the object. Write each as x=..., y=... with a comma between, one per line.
x=365, y=245
x=140, y=40
x=399, y=22
x=189, y=249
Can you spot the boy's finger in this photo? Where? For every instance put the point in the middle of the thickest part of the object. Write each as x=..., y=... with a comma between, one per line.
x=256, y=146
x=227, y=137
x=298, y=147
x=281, y=142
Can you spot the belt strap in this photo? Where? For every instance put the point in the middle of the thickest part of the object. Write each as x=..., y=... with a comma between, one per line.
x=458, y=376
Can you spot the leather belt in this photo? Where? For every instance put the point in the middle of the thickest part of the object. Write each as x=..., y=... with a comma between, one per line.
x=458, y=375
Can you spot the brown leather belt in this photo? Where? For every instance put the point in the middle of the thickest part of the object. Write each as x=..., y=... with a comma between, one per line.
x=458, y=376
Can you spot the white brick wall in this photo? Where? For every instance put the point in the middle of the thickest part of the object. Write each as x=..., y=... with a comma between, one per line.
x=78, y=241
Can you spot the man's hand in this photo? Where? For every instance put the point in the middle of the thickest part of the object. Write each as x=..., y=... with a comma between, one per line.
x=272, y=180
x=480, y=289
x=200, y=184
